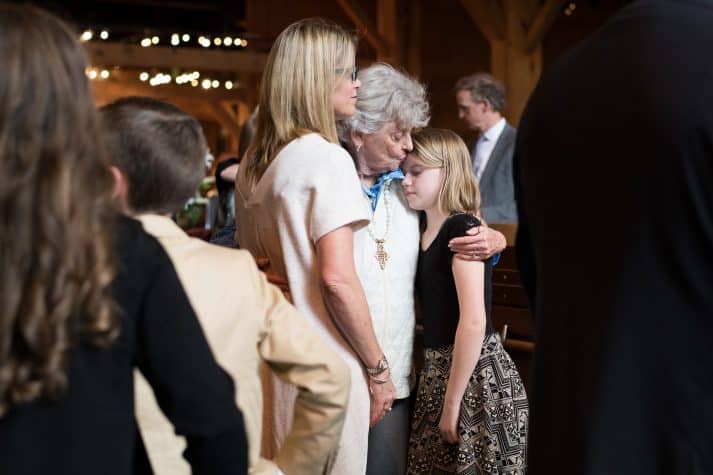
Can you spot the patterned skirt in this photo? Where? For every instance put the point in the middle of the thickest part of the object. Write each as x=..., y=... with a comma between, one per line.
x=493, y=417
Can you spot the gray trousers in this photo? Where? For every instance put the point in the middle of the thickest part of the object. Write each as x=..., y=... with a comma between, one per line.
x=388, y=441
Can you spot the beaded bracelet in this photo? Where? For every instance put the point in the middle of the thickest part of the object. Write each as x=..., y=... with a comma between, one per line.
x=377, y=380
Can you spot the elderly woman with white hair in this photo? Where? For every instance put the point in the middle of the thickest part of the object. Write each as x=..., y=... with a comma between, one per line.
x=378, y=136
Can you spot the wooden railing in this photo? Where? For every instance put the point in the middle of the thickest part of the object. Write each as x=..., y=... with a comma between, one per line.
x=510, y=313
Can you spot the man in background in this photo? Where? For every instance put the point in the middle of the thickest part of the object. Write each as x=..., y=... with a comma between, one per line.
x=481, y=104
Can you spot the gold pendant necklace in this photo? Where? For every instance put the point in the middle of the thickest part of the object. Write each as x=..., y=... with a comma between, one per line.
x=381, y=255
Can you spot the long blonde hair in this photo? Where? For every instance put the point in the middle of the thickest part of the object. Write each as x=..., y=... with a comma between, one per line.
x=296, y=89
x=56, y=247
x=441, y=148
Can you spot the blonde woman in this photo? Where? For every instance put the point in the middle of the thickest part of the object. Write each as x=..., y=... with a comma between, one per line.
x=471, y=409
x=298, y=202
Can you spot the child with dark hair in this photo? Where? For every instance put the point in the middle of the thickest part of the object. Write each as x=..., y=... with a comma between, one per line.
x=248, y=322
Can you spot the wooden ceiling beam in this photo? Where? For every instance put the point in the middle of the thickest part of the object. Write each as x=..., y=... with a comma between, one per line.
x=226, y=118
x=367, y=27
x=109, y=90
x=488, y=16
x=542, y=23
x=176, y=4
x=388, y=18
x=122, y=54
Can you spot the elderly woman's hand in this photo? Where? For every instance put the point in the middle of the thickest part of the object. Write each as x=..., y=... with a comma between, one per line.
x=480, y=244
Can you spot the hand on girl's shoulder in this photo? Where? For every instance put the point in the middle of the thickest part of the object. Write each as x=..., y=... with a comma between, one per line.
x=459, y=223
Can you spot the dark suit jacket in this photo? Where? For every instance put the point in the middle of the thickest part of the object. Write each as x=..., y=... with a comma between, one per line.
x=496, y=185
x=621, y=251
x=92, y=429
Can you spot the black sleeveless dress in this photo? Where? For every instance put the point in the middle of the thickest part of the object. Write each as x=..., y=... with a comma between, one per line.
x=494, y=409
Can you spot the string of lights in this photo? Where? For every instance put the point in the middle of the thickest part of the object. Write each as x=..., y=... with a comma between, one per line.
x=97, y=73
x=158, y=78
x=174, y=39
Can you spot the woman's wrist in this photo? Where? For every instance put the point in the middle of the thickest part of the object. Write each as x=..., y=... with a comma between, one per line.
x=382, y=378
x=381, y=366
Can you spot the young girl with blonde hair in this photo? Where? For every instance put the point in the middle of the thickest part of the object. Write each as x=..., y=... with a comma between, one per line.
x=471, y=409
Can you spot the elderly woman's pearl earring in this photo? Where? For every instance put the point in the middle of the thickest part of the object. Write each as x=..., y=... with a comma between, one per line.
x=358, y=148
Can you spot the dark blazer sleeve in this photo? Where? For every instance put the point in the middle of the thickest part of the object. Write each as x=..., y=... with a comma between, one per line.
x=524, y=251
x=191, y=389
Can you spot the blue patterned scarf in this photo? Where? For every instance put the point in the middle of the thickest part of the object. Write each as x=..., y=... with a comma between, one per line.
x=374, y=192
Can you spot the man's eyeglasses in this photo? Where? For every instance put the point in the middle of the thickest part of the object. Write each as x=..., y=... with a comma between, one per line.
x=353, y=72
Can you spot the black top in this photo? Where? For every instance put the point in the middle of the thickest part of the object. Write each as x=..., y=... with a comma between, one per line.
x=223, y=185
x=615, y=162
x=436, y=286
x=91, y=430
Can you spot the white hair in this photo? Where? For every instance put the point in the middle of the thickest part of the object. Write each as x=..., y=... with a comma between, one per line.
x=386, y=95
